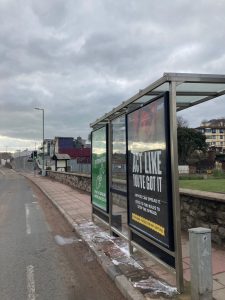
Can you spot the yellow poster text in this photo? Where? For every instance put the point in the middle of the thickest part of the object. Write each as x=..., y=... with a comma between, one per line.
x=155, y=227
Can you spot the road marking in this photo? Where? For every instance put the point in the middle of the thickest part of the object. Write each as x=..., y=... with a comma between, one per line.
x=3, y=173
x=30, y=283
x=28, y=228
x=34, y=196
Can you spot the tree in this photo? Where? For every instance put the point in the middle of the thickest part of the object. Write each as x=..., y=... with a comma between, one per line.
x=181, y=122
x=189, y=141
x=89, y=136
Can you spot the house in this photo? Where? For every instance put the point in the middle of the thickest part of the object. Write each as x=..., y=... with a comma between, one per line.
x=214, y=131
x=75, y=148
x=63, y=144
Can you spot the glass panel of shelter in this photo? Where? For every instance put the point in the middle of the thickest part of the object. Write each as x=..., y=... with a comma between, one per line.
x=119, y=184
x=188, y=93
x=200, y=87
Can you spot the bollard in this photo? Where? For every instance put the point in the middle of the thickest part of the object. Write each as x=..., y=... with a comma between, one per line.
x=201, y=263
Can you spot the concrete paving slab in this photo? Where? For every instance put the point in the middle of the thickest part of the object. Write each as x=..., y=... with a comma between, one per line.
x=217, y=285
x=219, y=294
x=220, y=278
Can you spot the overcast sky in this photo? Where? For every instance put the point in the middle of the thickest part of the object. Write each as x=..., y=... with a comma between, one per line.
x=78, y=59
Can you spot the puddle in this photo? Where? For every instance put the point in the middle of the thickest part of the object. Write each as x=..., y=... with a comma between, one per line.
x=65, y=241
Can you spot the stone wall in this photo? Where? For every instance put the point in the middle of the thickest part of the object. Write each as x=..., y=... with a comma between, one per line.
x=204, y=209
x=198, y=209
x=80, y=181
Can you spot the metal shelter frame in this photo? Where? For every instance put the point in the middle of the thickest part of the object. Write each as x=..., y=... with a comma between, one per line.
x=185, y=90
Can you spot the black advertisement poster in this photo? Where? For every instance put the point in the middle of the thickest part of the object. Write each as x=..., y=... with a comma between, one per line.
x=149, y=196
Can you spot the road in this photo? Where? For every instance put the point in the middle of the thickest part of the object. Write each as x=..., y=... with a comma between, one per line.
x=40, y=256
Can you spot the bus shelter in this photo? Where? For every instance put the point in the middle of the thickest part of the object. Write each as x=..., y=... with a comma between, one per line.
x=135, y=189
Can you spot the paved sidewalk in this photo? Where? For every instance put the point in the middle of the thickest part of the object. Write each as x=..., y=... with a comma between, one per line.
x=138, y=277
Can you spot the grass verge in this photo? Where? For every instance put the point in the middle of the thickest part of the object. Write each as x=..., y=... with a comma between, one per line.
x=208, y=185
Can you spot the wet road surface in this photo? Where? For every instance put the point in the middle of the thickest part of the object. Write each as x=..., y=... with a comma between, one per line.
x=40, y=256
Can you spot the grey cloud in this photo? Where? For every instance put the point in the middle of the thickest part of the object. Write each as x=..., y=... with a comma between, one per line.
x=51, y=12
x=79, y=59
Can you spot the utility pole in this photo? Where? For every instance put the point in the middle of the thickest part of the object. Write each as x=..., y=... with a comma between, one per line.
x=43, y=138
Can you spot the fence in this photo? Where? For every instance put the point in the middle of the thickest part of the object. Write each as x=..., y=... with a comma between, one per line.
x=79, y=168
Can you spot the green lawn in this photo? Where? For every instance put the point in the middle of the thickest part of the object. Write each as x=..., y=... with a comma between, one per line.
x=209, y=185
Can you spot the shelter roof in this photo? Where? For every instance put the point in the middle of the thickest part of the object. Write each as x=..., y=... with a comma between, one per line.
x=191, y=89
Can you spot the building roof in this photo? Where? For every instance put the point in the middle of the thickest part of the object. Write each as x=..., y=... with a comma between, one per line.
x=210, y=127
x=64, y=137
x=214, y=124
x=77, y=152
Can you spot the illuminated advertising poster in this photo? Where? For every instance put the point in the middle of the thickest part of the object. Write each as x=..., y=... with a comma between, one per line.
x=99, y=168
x=149, y=195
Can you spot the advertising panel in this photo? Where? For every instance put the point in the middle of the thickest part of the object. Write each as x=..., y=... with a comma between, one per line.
x=149, y=196
x=99, y=168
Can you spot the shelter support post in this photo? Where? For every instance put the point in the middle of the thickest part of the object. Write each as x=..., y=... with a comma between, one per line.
x=175, y=187
x=110, y=174
x=131, y=249
x=92, y=216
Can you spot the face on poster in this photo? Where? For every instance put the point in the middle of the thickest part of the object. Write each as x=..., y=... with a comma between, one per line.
x=149, y=200
x=99, y=168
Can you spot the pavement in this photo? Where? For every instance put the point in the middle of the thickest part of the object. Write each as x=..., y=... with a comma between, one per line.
x=137, y=276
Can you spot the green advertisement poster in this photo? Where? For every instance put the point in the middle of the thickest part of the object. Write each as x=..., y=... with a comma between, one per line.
x=99, y=168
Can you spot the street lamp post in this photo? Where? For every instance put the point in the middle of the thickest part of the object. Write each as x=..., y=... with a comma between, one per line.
x=43, y=137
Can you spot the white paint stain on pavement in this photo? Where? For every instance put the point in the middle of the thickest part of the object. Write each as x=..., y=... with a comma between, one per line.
x=65, y=241
x=127, y=261
x=27, y=210
x=30, y=283
x=156, y=287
